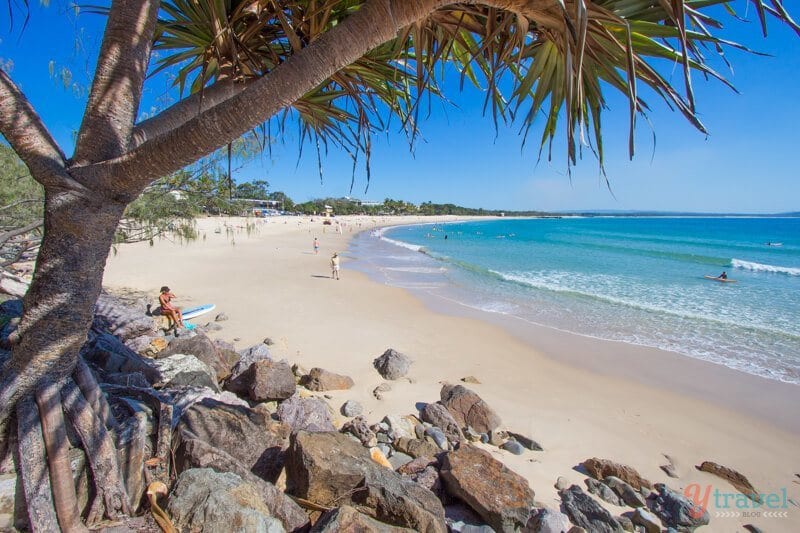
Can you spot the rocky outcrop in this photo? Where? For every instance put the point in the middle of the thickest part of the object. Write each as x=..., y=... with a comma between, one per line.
x=238, y=431
x=602, y=468
x=203, y=349
x=264, y=381
x=739, y=481
x=320, y=380
x=345, y=519
x=583, y=511
x=677, y=511
x=501, y=497
x=186, y=370
x=392, y=364
x=469, y=409
x=354, y=478
x=204, y=500
x=438, y=415
x=306, y=414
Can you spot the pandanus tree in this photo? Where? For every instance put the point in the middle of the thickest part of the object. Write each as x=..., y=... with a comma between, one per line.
x=342, y=68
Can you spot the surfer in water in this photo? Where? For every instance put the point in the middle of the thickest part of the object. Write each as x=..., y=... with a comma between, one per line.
x=169, y=310
x=724, y=275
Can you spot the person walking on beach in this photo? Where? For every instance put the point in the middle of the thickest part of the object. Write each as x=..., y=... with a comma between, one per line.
x=316, y=245
x=335, y=266
x=169, y=310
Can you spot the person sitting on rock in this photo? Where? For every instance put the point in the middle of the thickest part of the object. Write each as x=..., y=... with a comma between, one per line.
x=167, y=309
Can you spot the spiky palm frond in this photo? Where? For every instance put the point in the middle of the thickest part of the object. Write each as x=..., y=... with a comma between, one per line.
x=557, y=62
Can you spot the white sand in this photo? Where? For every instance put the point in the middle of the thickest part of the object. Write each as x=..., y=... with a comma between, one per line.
x=578, y=397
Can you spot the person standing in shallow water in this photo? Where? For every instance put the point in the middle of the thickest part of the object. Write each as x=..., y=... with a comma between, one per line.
x=335, y=266
x=316, y=245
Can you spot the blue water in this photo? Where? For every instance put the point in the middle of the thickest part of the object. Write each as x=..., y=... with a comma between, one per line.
x=636, y=280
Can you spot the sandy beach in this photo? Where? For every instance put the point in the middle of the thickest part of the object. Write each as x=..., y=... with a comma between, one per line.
x=578, y=397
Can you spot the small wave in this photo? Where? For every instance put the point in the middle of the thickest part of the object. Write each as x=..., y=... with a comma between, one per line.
x=758, y=267
x=418, y=270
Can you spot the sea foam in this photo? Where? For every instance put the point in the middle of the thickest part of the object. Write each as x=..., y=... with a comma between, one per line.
x=758, y=267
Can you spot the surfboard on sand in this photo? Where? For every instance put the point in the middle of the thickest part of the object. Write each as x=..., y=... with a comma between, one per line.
x=717, y=278
x=194, y=312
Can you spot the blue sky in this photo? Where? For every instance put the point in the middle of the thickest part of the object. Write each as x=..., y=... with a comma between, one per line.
x=746, y=164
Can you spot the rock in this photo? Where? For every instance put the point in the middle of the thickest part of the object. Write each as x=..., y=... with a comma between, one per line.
x=380, y=390
x=345, y=519
x=204, y=500
x=111, y=356
x=268, y=341
x=587, y=513
x=497, y=437
x=352, y=408
x=468, y=409
x=739, y=481
x=386, y=449
x=562, y=483
x=430, y=479
x=392, y=364
x=626, y=523
x=669, y=468
x=474, y=477
x=354, y=478
x=472, y=435
x=299, y=371
x=513, y=446
x=602, y=491
x=359, y=428
x=221, y=317
x=248, y=356
x=213, y=326
x=547, y=520
x=438, y=415
x=320, y=380
x=752, y=529
x=526, y=442
x=400, y=426
x=183, y=398
x=677, y=511
x=602, y=468
x=154, y=347
x=238, y=431
x=399, y=459
x=377, y=455
x=182, y=369
x=121, y=320
x=8, y=490
x=471, y=380
x=626, y=493
x=306, y=414
x=416, y=447
x=417, y=465
x=264, y=381
x=438, y=437
x=203, y=349
x=647, y=520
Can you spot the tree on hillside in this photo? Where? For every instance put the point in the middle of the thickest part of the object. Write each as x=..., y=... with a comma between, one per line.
x=343, y=68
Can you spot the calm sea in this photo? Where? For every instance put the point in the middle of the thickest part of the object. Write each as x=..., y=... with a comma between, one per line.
x=636, y=280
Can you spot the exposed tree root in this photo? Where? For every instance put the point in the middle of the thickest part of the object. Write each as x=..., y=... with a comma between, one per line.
x=111, y=498
x=32, y=466
x=91, y=391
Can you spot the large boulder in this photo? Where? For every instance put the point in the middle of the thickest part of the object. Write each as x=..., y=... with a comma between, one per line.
x=677, y=511
x=500, y=496
x=469, y=409
x=204, y=500
x=438, y=415
x=548, y=521
x=583, y=511
x=248, y=356
x=121, y=320
x=183, y=369
x=240, y=432
x=182, y=398
x=627, y=493
x=306, y=414
x=392, y=364
x=354, y=478
x=603, y=491
x=110, y=355
x=345, y=519
x=602, y=468
x=319, y=379
x=264, y=381
x=204, y=349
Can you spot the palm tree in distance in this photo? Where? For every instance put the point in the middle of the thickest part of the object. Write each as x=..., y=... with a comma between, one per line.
x=345, y=67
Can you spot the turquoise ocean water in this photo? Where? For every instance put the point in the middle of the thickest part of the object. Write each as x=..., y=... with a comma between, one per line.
x=635, y=280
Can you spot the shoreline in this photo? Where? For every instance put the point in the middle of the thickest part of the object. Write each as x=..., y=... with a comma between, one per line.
x=272, y=284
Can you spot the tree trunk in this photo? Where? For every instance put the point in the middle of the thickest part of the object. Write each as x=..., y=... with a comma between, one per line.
x=59, y=305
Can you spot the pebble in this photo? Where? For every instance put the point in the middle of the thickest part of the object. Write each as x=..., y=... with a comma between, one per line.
x=562, y=483
x=514, y=447
x=352, y=408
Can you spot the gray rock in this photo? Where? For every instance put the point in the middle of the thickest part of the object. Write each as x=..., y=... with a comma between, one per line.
x=121, y=320
x=8, y=489
x=562, y=483
x=626, y=523
x=111, y=356
x=268, y=341
x=183, y=369
x=416, y=447
x=392, y=364
x=438, y=415
x=677, y=511
x=587, y=513
x=513, y=446
x=647, y=520
x=527, y=442
x=204, y=500
x=386, y=450
x=602, y=491
x=345, y=519
x=399, y=459
x=248, y=356
x=547, y=520
x=472, y=435
x=221, y=317
x=320, y=380
x=438, y=437
x=626, y=493
x=355, y=479
x=400, y=426
x=469, y=409
x=264, y=381
x=203, y=349
x=497, y=437
x=182, y=398
x=352, y=408
x=380, y=390
x=306, y=414
x=419, y=431
x=359, y=428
